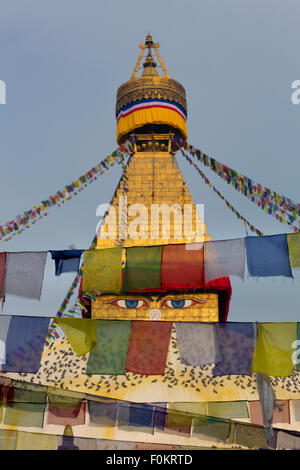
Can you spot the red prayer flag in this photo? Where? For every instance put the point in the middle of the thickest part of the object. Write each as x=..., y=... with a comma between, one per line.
x=182, y=268
x=148, y=347
x=67, y=416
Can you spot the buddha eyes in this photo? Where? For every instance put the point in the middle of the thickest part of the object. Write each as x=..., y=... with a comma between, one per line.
x=169, y=303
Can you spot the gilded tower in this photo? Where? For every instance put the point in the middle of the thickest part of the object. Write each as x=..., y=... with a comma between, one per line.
x=156, y=207
x=152, y=205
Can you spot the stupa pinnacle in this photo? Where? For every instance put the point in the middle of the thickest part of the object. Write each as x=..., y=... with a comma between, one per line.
x=150, y=99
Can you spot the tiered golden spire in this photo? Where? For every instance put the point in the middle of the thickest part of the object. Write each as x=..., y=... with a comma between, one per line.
x=150, y=86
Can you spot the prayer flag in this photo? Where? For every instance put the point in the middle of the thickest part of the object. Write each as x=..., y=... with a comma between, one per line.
x=148, y=347
x=80, y=332
x=109, y=355
x=143, y=268
x=197, y=343
x=102, y=270
x=182, y=267
x=103, y=413
x=66, y=261
x=25, y=274
x=268, y=256
x=273, y=350
x=236, y=345
x=67, y=416
x=25, y=343
x=293, y=241
x=224, y=258
x=281, y=412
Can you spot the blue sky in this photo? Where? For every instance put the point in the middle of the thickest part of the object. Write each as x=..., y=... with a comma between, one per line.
x=62, y=62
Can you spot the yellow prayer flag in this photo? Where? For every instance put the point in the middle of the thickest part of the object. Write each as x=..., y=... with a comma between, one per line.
x=81, y=333
x=273, y=350
x=102, y=270
x=293, y=241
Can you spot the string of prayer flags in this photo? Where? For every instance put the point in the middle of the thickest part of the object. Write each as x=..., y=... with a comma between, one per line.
x=224, y=258
x=25, y=342
x=280, y=207
x=102, y=270
x=273, y=350
x=109, y=355
x=80, y=332
x=17, y=225
x=228, y=204
x=236, y=345
x=25, y=273
x=148, y=347
x=183, y=266
x=197, y=343
x=268, y=256
x=66, y=261
x=143, y=268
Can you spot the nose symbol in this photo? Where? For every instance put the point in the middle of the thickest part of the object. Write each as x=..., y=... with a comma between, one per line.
x=155, y=314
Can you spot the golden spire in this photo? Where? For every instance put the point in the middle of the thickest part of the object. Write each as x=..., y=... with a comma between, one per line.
x=170, y=108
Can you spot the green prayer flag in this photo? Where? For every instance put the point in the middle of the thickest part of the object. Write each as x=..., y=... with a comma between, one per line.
x=61, y=398
x=248, y=435
x=24, y=414
x=215, y=429
x=36, y=441
x=110, y=353
x=143, y=268
x=25, y=392
x=229, y=409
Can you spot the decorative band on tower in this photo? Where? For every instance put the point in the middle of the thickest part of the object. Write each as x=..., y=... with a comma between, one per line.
x=150, y=99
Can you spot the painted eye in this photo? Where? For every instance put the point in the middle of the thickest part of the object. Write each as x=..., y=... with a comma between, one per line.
x=129, y=303
x=178, y=303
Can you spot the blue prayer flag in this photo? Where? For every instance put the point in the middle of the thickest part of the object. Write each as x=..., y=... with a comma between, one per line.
x=66, y=261
x=268, y=256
